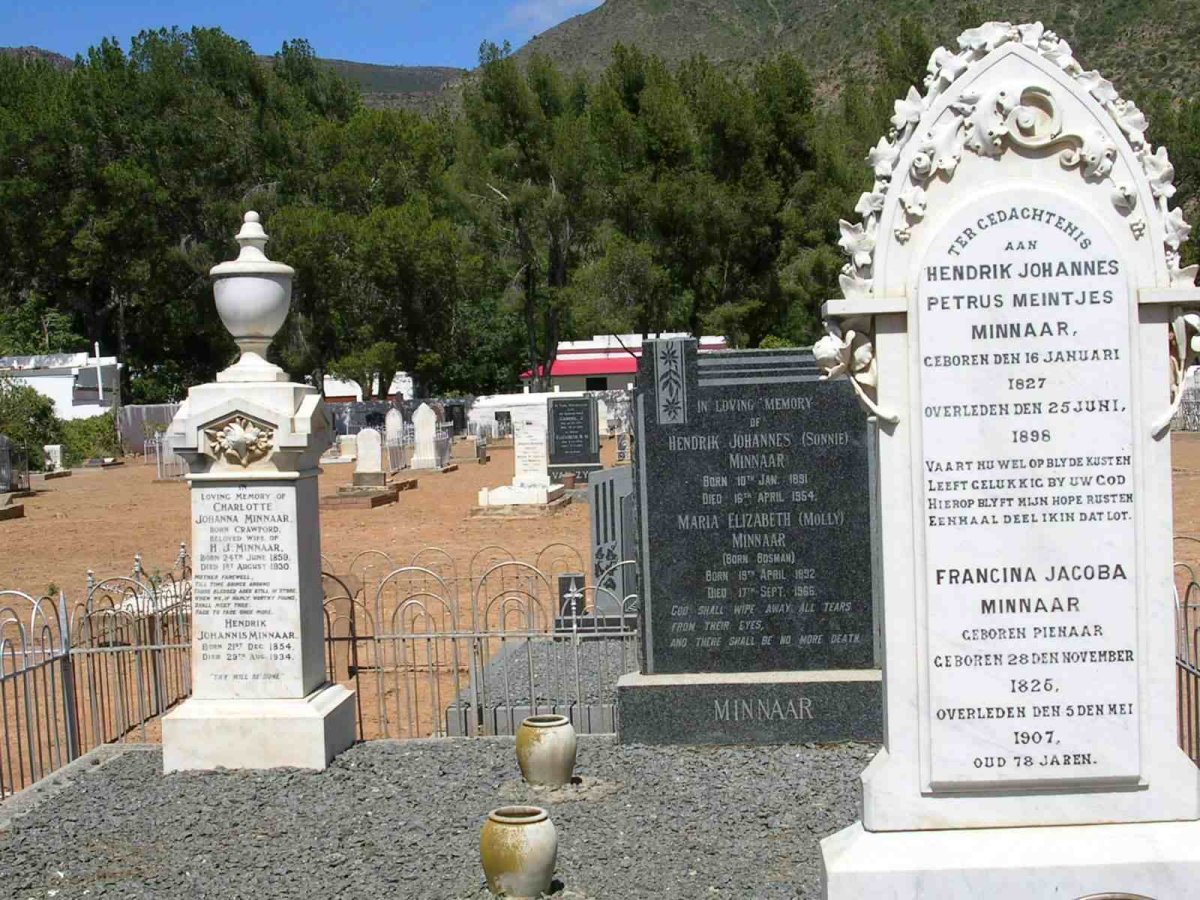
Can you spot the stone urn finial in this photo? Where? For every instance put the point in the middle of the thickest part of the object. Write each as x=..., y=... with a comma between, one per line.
x=253, y=295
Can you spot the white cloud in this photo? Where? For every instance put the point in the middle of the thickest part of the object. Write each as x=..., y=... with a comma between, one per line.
x=538, y=15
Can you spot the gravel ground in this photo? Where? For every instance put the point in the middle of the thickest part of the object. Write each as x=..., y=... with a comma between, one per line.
x=401, y=820
x=601, y=661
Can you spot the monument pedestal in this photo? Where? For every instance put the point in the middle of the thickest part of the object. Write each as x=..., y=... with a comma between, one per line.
x=304, y=733
x=751, y=707
x=1148, y=859
x=252, y=441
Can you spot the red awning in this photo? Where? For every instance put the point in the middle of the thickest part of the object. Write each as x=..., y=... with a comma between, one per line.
x=613, y=365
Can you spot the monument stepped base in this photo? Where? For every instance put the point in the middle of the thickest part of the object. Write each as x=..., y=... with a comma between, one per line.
x=1153, y=859
x=259, y=734
x=750, y=707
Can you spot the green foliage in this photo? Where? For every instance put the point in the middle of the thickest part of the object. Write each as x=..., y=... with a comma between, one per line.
x=27, y=418
x=667, y=192
x=84, y=439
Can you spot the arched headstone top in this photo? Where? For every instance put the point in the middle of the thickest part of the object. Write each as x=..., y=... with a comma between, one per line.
x=1011, y=91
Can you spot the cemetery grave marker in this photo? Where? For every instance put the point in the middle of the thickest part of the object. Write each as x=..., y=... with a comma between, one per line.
x=614, y=539
x=425, y=454
x=1006, y=317
x=574, y=436
x=252, y=441
x=753, y=503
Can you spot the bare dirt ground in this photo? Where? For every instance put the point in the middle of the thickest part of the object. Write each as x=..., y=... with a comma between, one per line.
x=99, y=519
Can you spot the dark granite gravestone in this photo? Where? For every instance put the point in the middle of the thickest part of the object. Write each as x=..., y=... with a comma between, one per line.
x=754, y=492
x=573, y=437
x=610, y=499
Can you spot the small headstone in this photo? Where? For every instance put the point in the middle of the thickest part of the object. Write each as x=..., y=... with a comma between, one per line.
x=347, y=446
x=54, y=457
x=368, y=466
x=393, y=424
x=574, y=435
x=425, y=432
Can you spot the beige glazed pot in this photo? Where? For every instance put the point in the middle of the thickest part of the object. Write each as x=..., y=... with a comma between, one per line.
x=546, y=749
x=518, y=846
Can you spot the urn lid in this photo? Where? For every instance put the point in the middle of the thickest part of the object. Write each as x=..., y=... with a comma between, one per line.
x=251, y=260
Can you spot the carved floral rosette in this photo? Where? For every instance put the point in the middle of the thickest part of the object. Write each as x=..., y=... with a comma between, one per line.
x=239, y=439
x=988, y=123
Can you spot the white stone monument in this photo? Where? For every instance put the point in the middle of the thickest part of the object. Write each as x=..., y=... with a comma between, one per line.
x=393, y=425
x=368, y=464
x=53, y=456
x=424, y=438
x=531, y=484
x=252, y=440
x=1008, y=303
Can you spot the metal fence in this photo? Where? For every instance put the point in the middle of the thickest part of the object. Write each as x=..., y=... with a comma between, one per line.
x=75, y=677
x=436, y=647
x=430, y=652
x=158, y=452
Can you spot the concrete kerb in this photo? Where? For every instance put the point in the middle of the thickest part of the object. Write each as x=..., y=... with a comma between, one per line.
x=45, y=789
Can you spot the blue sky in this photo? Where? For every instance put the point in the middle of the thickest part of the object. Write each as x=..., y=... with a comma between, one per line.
x=392, y=32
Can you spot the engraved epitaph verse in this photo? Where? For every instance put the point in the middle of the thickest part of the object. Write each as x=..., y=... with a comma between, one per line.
x=754, y=485
x=573, y=433
x=246, y=604
x=1027, y=497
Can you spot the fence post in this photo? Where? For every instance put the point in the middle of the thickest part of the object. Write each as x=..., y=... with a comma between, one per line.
x=67, y=671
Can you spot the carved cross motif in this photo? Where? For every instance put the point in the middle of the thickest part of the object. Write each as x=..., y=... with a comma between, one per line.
x=240, y=440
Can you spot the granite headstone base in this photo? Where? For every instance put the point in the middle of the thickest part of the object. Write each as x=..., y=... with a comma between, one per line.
x=751, y=707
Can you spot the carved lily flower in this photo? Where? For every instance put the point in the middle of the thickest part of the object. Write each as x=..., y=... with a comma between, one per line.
x=857, y=242
x=1131, y=120
x=1177, y=229
x=832, y=353
x=882, y=158
x=1031, y=34
x=1101, y=88
x=908, y=111
x=869, y=204
x=854, y=285
x=913, y=201
x=986, y=37
x=1160, y=173
x=947, y=66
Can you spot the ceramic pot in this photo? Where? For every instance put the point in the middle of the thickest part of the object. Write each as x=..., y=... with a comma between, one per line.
x=546, y=749
x=518, y=846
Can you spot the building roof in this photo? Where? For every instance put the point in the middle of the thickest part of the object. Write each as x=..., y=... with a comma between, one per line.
x=610, y=354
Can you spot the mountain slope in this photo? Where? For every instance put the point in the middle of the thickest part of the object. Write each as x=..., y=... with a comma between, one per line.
x=1135, y=42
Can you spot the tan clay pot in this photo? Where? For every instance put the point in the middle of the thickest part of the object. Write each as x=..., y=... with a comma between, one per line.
x=546, y=750
x=518, y=846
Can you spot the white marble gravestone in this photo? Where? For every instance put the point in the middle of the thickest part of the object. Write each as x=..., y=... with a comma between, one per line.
x=424, y=436
x=1007, y=308
x=252, y=440
x=531, y=484
x=369, y=447
x=393, y=426
x=53, y=456
x=368, y=463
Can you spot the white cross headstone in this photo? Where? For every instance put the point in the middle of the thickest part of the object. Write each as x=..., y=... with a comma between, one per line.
x=424, y=437
x=1008, y=300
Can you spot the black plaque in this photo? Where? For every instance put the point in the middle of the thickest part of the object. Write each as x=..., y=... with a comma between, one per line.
x=754, y=503
x=573, y=434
